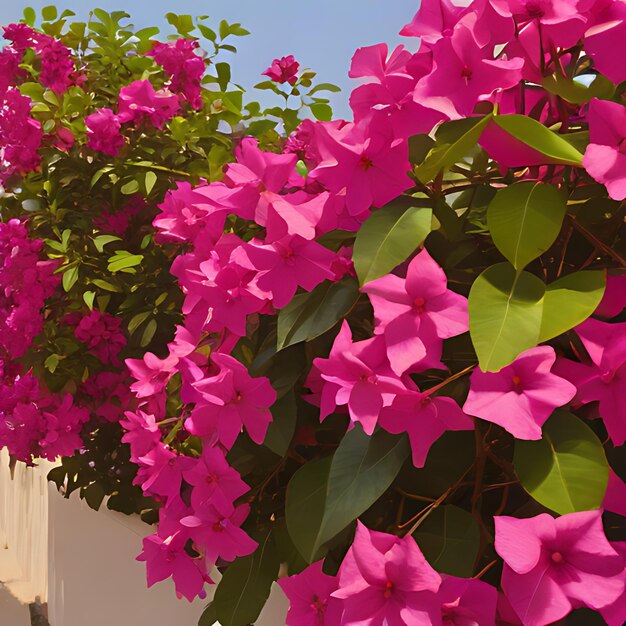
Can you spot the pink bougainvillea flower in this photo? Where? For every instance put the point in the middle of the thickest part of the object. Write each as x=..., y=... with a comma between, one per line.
x=283, y=70
x=614, y=300
x=103, y=131
x=183, y=65
x=142, y=433
x=139, y=101
x=554, y=565
x=357, y=375
x=289, y=263
x=561, y=23
x=606, y=35
x=166, y=557
x=424, y=418
x=213, y=479
x=216, y=528
x=604, y=380
x=9, y=68
x=464, y=74
x=414, y=314
x=615, y=614
x=309, y=595
x=386, y=580
x=57, y=66
x=366, y=160
x=434, y=19
x=467, y=602
x=605, y=156
x=388, y=94
x=522, y=395
x=615, y=496
x=229, y=400
x=161, y=471
x=103, y=335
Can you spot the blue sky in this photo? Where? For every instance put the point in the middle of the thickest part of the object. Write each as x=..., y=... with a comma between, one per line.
x=322, y=34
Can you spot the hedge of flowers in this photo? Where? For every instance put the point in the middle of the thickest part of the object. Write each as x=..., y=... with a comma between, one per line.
x=379, y=361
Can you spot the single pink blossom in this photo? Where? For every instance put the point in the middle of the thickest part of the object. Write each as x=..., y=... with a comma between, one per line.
x=554, y=565
x=288, y=263
x=467, y=602
x=386, y=580
x=213, y=479
x=416, y=313
x=424, y=418
x=434, y=19
x=216, y=528
x=103, y=131
x=103, y=335
x=604, y=380
x=614, y=299
x=229, y=400
x=357, y=374
x=283, y=70
x=605, y=156
x=605, y=36
x=464, y=74
x=309, y=595
x=161, y=471
x=522, y=395
x=366, y=160
x=142, y=433
x=139, y=101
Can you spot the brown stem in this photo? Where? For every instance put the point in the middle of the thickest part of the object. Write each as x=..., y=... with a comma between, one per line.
x=597, y=242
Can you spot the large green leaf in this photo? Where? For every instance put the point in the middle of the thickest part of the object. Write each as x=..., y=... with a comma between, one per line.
x=539, y=138
x=505, y=311
x=362, y=470
x=324, y=499
x=283, y=425
x=525, y=220
x=245, y=587
x=304, y=506
x=449, y=538
x=459, y=138
x=387, y=238
x=570, y=301
x=309, y=315
x=566, y=470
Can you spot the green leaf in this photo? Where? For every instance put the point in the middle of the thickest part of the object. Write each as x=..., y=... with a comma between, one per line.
x=570, y=301
x=525, y=220
x=566, y=470
x=137, y=320
x=52, y=362
x=245, y=586
x=309, y=315
x=539, y=138
x=88, y=297
x=223, y=75
x=321, y=502
x=122, y=260
x=576, y=92
x=362, y=469
x=304, y=506
x=321, y=111
x=106, y=285
x=70, y=277
x=131, y=187
x=387, y=238
x=30, y=16
x=102, y=241
x=324, y=87
x=505, y=310
x=148, y=333
x=461, y=136
x=49, y=13
x=283, y=425
x=450, y=539
x=149, y=181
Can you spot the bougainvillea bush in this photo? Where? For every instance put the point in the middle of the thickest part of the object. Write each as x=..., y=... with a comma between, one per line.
x=379, y=361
